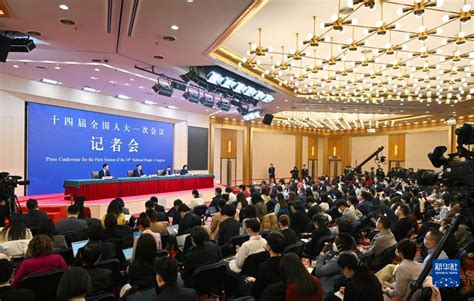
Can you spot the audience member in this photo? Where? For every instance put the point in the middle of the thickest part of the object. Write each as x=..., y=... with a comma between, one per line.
x=166, y=270
x=16, y=229
x=384, y=239
x=35, y=217
x=84, y=212
x=7, y=292
x=202, y=253
x=361, y=284
x=141, y=274
x=281, y=206
x=48, y=228
x=74, y=285
x=39, y=259
x=288, y=234
x=299, y=218
x=217, y=218
x=431, y=241
x=72, y=223
x=173, y=212
x=260, y=207
x=403, y=225
x=300, y=285
x=246, y=210
x=255, y=244
x=320, y=230
x=197, y=200
x=101, y=279
x=143, y=224
x=188, y=220
x=229, y=226
x=346, y=214
x=155, y=225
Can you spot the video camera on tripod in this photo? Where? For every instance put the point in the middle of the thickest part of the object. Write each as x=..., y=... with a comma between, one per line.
x=8, y=184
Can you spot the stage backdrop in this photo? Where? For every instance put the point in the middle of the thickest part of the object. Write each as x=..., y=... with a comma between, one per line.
x=67, y=143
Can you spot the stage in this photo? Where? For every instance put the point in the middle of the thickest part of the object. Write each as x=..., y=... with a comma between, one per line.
x=55, y=205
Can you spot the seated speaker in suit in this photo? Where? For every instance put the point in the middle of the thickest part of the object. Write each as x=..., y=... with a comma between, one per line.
x=167, y=172
x=185, y=170
x=104, y=172
x=138, y=172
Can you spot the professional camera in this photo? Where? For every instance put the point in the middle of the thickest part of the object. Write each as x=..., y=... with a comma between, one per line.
x=456, y=173
x=8, y=184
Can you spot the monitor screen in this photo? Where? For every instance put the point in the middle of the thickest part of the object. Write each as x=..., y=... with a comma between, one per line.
x=77, y=245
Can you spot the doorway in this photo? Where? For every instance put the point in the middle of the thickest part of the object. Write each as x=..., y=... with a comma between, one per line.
x=335, y=168
x=313, y=168
x=228, y=171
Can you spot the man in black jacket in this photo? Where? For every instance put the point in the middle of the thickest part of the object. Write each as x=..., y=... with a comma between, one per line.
x=104, y=172
x=203, y=252
x=7, y=292
x=34, y=218
x=166, y=270
x=403, y=225
x=188, y=220
x=271, y=174
x=101, y=279
x=138, y=172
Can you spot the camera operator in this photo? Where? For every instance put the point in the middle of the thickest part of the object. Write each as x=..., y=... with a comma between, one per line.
x=4, y=211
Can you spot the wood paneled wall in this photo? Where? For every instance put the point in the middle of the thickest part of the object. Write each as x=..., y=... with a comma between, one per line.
x=228, y=144
x=396, y=147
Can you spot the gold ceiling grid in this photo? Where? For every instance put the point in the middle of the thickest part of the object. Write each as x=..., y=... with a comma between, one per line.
x=375, y=69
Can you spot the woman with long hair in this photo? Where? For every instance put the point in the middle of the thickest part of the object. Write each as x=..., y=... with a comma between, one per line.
x=84, y=212
x=281, y=206
x=16, y=230
x=300, y=285
x=361, y=284
x=246, y=210
x=141, y=273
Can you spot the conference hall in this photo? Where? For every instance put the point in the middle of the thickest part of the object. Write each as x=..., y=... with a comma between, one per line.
x=245, y=150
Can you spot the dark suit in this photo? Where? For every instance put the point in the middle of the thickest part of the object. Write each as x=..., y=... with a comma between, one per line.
x=71, y=224
x=187, y=222
x=174, y=292
x=227, y=229
x=183, y=172
x=304, y=173
x=401, y=228
x=8, y=293
x=138, y=173
x=167, y=172
x=196, y=257
x=141, y=275
x=362, y=287
x=268, y=273
x=271, y=174
x=290, y=236
x=101, y=279
x=34, y=218
x=103, y=173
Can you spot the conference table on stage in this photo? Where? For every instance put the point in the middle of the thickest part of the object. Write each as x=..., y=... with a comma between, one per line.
x=95, y=189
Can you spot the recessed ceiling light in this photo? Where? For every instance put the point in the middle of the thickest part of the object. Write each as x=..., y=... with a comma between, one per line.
x=172, y=107
x=158, y=57
x=190, y=1
x=132, y=80
x=286, y=100
x=94, y=78
x=120, y=96
x=64, y=7
x=89, y=89
x=57, y=68
x=140, y=87
x=16, y=66
x=174, y=27
x=67, y=22
x=277, y=107
x=50, y=81
x=169, y=38
x=96, y=69
x=34, y=33
x=127, y=84
x=112, y=82
x=149, y=102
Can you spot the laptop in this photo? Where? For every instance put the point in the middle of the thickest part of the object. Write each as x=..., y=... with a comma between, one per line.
x=77, y=245
x=173, y=230
x=128, y=253
x=162, y=202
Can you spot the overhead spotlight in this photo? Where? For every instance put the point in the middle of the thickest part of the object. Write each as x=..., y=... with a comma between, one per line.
x=250, y=92
x=214, y=78
x=371, y=130
x=191, y=94
x=268, y=98
x=251, y=100
x=239, y=88
x=178, y=85
x=163, y=87
x=253, y=115
x=450, y=121
x=207, y=99
x=228, y=83
x=222, y=103
x=259, y=95
x=243, y=109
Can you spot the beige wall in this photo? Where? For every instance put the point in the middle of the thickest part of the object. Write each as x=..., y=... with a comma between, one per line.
x=14, y=92
x=364, y=146
x=304, y=150
x=320, y=156
x=240, y=156
x=418, y=145
x=278, y=149
x=217, y=155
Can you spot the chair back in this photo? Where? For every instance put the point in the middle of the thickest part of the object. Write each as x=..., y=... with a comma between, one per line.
x=95, y=175
x=321, y=242
x=75, y=236
x=66, y=254
x=367, y=257
x=112, y=265
x=102, y=296
x=296, y=248
x=148, y=294
x=239, y=240
x=200, y=211
x=464, y=251
x=410, y=233
x=227, y=250
x=129, y=173
x=159, y=171
x=252, y=262
x=209, y=278
x=44, y=285
x=386, y=257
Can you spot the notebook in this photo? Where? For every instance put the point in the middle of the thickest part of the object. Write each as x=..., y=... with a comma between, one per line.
x=77, y=245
